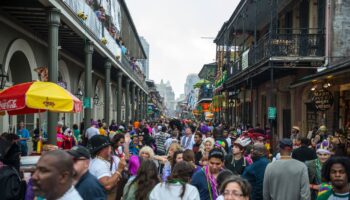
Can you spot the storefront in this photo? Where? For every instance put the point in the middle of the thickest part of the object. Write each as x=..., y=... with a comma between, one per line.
x=325, y=99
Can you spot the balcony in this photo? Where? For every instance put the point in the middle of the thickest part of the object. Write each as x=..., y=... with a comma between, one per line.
x=205, y=94
x=96, y=25
x=298, y=43
x=133, y=71
x=235, y=67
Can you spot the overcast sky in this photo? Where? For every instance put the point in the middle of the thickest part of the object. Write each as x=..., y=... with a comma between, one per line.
x=174, y=30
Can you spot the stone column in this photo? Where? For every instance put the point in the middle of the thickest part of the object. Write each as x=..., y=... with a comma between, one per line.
x=137, y=112
x=145, y=106
x=89, y=49
x=54, y=23
x=141, y=104
x=119, y=97
x=133, y=117
x=108, y=67
x=127, y=101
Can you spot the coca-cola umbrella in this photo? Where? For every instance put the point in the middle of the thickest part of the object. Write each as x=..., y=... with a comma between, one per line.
x=37, y=96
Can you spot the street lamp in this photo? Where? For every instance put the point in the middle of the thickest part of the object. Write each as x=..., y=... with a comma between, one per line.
x=79, y=94
x=3, y=78
x=96, y=99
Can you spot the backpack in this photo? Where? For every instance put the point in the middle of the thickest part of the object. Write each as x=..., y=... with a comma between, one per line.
x=11, y=186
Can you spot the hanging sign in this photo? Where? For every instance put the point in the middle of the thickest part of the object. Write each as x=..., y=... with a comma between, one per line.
x=272, y=113
x=87, y=102
x=322, y=99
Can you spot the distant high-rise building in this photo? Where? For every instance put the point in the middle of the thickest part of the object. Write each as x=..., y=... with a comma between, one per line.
x=190, y=81
x=145, y=62
x=166, y=91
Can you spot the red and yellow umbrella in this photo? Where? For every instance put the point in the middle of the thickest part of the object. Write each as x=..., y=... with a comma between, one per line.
x=34, y=97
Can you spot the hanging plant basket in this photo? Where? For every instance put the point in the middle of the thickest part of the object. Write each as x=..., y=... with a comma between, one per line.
x=104, y=41
x=82, y=15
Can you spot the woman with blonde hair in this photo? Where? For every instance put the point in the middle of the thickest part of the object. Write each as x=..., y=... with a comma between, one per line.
x=174, y=147
x=206, y=146
x=146, y=152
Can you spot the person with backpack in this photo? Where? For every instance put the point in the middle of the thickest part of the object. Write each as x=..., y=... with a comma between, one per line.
x=11, y=186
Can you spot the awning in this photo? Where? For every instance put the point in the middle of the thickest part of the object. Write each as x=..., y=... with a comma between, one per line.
x=337, y=69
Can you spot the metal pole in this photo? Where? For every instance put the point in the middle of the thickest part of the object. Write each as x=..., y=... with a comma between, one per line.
x=54, y=23
x=272, y=104
x=145, y=107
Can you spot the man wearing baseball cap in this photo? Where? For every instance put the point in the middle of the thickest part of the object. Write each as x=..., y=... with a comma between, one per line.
x=86, y=184
x=286, y=178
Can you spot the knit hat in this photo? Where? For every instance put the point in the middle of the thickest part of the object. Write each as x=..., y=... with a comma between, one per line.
x=324, y=147
x=98, y=142
x=286, y=142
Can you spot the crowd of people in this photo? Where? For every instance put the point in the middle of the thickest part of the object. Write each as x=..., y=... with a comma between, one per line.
x=177, y=159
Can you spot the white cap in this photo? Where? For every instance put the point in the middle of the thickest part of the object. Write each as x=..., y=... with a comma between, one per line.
x=160, y=128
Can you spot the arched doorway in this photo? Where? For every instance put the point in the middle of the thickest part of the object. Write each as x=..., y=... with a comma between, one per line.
x=99, y=106
x=19, y=71
x=19, y=63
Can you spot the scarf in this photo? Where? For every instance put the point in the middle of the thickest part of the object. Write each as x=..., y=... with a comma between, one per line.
x=211, y=181
x=318, y=171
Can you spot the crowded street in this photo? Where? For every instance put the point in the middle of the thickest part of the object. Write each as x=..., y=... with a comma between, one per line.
x=174, y=100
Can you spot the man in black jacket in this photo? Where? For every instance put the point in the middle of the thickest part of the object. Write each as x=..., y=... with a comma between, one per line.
x=304, y=153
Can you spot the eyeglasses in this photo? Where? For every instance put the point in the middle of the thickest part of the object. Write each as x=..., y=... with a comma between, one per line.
x=233, y=193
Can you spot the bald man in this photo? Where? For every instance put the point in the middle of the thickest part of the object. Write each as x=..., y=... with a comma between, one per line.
x=254, y=173
x=53, y=177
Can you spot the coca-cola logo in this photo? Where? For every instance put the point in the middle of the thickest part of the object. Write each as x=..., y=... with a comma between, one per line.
x=8, y=104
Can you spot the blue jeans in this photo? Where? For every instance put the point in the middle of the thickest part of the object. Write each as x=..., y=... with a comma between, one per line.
x=24, y=149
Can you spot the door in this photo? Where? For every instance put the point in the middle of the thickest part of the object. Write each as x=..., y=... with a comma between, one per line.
x=286, y=123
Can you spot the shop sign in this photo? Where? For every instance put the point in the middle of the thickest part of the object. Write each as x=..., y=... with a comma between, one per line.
x=323, y=99
x=87, y=102
x=272, y=113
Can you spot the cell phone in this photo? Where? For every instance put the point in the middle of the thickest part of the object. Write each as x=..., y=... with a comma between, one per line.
x=120, y=150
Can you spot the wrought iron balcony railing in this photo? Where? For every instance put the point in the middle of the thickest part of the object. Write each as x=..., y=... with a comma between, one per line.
x=127, y=66
x=235, y=67
x=94, y=25
x=288, y=43
x=205, y=94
